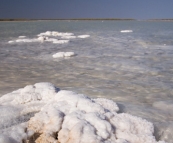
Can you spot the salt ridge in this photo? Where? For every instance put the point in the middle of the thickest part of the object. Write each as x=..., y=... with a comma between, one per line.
x=67, y=117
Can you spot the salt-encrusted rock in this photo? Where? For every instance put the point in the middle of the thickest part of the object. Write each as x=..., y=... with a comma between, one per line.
x=47, y=37
x=126, y=31
x=23, y=40
x=10, y=41
x=26, y=40
x=108, y=104
x=60, y=41
x=83, y=36
x=39, y=91
x=22, y=36
x=16, y=134
x=51, y=40
x=55, y=33
x=69, y=54
x=6, y=139
x=68, y=37
x=58, y=55
x=63, y=54
x=67, y=117
x=42, y=38
x=81, y=119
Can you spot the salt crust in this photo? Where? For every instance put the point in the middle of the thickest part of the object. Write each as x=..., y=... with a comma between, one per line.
x=55, y=33
x=126, y=31
x=68, y=37
x=47, y=37
x=68, y=117
x=63, y=54
x=60, y=41
x=22, y=36
x=83, y=36
x=10, y=41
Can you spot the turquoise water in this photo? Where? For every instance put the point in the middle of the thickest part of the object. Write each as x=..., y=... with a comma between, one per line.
x=134, y=69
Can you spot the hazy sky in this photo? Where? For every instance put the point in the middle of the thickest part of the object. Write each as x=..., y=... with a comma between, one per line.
x=138, y=9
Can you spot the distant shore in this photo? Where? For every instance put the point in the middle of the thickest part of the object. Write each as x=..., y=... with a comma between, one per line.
x=111, y=19
x=65, y=19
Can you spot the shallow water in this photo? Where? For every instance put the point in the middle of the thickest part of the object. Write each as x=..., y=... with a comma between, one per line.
x=134, y=69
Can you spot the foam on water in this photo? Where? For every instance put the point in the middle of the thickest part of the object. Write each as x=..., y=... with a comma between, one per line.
x=64, y=116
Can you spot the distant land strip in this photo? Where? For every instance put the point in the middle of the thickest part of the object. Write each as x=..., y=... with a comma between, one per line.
x=10, y=19
x=160, y=19
x=23, y=19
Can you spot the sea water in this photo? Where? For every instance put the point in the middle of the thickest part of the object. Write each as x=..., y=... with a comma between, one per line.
x=133, y=68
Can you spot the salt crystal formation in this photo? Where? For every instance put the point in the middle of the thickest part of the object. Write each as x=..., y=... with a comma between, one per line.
x=67, y=117
x=10, y=41
x=83, y=36
x=55, y=33
x=63, y=54
x=47, y=37
x=22, y=36
x=126, y=31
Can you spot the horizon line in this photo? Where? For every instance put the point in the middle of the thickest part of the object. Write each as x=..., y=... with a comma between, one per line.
x=32, y=19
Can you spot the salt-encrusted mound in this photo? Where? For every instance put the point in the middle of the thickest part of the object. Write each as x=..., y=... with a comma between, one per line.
x=26, y=40
x=37, y=92
x=60, y=41
x=22, y=36
x=10, y=41
x=66, y=117
x=83, y=36
x=42, y=38
x=63, y=54
x=55, y=33
x=47, y=37
x=126, y=31
x=68, y=37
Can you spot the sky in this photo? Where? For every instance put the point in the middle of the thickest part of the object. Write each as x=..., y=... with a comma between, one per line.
x=40, y=9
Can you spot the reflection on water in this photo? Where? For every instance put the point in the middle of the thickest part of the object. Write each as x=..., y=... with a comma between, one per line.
x=134, y=69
